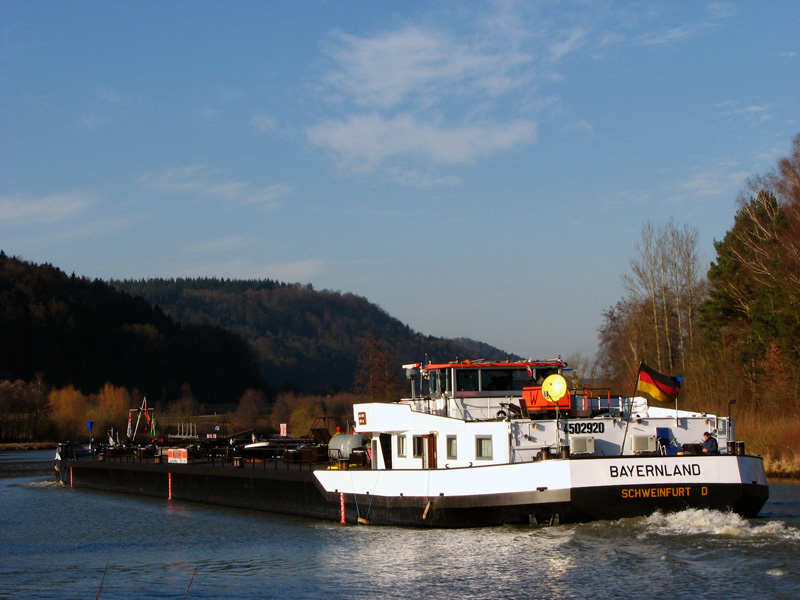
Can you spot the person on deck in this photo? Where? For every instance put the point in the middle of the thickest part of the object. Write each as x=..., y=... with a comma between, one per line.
x=709, y=444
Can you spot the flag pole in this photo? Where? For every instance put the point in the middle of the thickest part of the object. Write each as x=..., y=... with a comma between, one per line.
x=635, y=389
x=677, y=421
x=630, y=410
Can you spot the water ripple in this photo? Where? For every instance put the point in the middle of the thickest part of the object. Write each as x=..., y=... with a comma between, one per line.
x=55, y=543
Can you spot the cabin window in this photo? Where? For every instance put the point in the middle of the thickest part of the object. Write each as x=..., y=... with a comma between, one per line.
x=496, y=380
x=466, y=380
x=439, y=381
x=452, y=447
x=505, y=380
x=433, y=382
x=483, y=448
x=401, y=446
x=542, y=374
x=418, y=446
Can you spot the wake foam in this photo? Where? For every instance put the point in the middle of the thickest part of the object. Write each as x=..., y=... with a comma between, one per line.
x=703, y=521
x=45, y=483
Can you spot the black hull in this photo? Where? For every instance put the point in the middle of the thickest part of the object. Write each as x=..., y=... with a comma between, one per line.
x=285, y=491
x=296, y=491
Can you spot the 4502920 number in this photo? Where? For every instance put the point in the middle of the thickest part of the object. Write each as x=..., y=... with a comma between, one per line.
x=586, y=427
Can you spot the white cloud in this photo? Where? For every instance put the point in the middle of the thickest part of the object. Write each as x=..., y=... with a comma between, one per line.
x=47, y=209
x=363, y=141
x=202, y=180
x=749, y=110
x=418, y=65
x=753, y=112
x=430, y=98
x=674, y=35
x=419, y=98
x=611, y=38
x=572, y=42
x=716, y=12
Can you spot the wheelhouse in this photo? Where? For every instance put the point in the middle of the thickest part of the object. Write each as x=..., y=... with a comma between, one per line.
x=479, y=390
x=464, y=379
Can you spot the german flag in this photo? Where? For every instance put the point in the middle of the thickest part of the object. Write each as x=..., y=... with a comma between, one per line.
x=662, y=388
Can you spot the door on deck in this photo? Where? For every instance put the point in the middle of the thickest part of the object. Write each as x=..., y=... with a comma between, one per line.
x=429, y=451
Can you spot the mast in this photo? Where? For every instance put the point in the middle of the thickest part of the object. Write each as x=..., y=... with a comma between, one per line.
x=142, y=409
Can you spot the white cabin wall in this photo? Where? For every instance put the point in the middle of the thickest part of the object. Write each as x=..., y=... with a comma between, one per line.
x=466, y=440
x=521, y=440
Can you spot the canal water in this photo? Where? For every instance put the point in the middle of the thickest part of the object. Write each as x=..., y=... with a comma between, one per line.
x=63, y=543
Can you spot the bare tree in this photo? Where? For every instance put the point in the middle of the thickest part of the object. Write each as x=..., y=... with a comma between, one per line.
x=646, y=282
x=666, y=283
x=585, y=371
x=252, y=406
x=622, y=342
x=378, y=377
x=39, y=401
x=686, y=283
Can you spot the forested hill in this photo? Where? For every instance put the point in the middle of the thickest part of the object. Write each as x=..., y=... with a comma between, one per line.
x=304, y=339
x=219, y=337
x=73, y=331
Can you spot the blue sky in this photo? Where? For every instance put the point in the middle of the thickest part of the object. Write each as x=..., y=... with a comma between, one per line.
x=477, y=169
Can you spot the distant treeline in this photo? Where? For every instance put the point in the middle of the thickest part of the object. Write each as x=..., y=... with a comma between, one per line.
x=68, y=330
x=305, y=340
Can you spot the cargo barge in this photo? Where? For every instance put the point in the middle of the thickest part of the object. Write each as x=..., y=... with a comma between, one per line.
x=475, y=444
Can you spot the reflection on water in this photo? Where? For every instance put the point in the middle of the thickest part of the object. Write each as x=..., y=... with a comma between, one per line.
x=55, y=542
